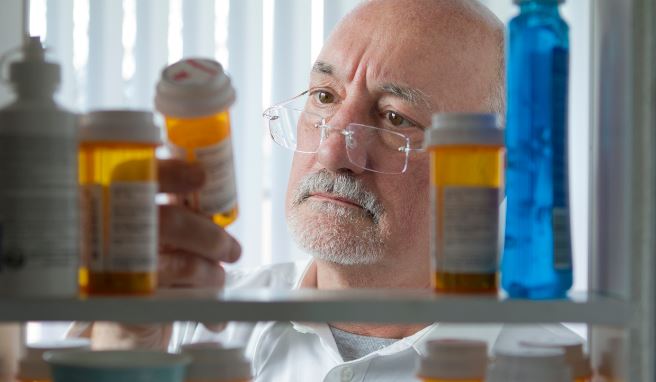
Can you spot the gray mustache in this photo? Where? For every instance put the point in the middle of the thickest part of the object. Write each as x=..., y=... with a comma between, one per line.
x=342, y=185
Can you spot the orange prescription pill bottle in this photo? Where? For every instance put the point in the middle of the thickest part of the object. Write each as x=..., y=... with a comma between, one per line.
x=454, y=360
x=194, y=96
x=515, y=364
x=118, y=179
x=33, y=368
x=213, y=363
x=614, y=358
x=467, y=186
x=574, y=356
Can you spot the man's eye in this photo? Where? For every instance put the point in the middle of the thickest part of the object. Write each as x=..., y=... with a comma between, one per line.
x=325, y=97
x=396, y=119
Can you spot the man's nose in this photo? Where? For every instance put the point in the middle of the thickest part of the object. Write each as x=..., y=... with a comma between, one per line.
x=333, y=154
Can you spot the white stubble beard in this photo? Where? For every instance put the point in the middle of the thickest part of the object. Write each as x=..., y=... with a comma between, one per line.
x=341, y=235
x=333, y=232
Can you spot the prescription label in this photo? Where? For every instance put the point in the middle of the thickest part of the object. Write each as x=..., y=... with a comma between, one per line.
x=91, y=219
x=38, y=203
x=219, y=194
x=470, y=230
x=132, y=239
x=40, y=241
x=40, y=229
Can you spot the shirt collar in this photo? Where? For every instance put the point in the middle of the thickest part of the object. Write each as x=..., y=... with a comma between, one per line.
x=487, y=333
x=308, y=278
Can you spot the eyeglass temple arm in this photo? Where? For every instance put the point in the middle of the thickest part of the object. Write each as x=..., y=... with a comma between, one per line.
x=267, y=113
x=288, y=100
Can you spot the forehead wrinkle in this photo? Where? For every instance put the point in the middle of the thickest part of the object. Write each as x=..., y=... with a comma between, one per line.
x=411, y=95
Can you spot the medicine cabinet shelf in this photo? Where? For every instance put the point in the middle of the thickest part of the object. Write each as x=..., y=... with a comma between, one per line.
x=319, y=306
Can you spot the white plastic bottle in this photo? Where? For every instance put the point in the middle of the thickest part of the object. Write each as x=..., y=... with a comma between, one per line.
x=529, y=365
x=39, y=206
x=214, y=363
x=454, y=360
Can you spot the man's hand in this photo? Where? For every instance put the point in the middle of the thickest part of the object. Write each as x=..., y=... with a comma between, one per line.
x=191, y=245
x=192, y=248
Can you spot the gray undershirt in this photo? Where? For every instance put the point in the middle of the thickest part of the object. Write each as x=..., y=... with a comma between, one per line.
x=353, y=346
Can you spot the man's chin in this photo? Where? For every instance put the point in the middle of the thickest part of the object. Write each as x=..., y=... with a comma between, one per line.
x=334, y=233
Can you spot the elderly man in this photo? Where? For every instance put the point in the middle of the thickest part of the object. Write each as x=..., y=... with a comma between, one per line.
x=358, y=205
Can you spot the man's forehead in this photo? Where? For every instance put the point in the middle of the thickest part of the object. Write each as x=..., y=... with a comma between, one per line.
x=409, y=94
x=453, y=67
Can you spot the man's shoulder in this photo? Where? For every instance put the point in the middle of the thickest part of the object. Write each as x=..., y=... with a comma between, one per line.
x=280, y=275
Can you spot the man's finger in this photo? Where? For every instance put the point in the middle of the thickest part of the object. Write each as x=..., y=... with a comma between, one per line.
x=176, y=176
x=179, y=269
x=183, y=229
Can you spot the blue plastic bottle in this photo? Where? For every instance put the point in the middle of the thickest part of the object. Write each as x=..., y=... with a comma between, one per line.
x=537, y=258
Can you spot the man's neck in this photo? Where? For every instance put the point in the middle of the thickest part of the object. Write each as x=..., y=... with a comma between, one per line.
x=396, y=331
x=330, y=276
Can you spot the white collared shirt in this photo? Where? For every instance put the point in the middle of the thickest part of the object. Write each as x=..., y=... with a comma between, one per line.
x=307, y=352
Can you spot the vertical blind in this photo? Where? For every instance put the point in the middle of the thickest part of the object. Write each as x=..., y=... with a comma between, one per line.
x=112, y=52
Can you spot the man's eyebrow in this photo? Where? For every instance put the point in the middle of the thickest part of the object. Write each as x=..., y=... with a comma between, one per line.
x=323, y=68
x=408, y=94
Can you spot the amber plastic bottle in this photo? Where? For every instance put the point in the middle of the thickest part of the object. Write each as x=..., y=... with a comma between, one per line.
x=118, y=179
x=467, y=178
x=575, y=357
x=194, y=96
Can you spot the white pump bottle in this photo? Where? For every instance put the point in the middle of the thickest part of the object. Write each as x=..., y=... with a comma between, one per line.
x=39, y=205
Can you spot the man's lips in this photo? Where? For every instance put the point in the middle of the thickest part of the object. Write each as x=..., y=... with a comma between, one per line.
x=335, y=199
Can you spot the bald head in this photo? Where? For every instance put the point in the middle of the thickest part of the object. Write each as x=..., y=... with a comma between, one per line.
x=417, y=15
x=465, y=30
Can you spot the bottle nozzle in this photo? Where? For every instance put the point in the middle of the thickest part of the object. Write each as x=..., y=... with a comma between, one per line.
x=33, y=50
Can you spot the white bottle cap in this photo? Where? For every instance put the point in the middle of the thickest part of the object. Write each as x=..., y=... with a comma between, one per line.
x=33, y=367
x=529, y=364
x=194, y=88
x=213, y=362
x=450, y=129
x=454, y=359
x=119, y=126
x=574, y=356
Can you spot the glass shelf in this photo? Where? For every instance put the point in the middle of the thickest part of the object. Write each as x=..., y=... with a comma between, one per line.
x=401, y=306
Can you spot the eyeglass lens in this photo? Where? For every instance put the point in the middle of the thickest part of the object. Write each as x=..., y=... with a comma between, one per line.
x=368, y=147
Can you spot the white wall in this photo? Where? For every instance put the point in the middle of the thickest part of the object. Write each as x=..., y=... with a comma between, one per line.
x=10, y=32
